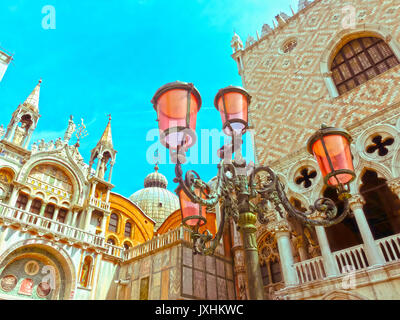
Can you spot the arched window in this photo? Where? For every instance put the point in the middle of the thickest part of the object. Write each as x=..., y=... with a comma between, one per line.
x=382, y=206
x=269, y=261
x=62, y=214
x=85, y=272
x=128, y=229
x=361, y=60
x=345, y=234
x=111, y=241
x=36, y=205
x=113, y=224
x=127, y=245
x=21, y=201
x=49, y=211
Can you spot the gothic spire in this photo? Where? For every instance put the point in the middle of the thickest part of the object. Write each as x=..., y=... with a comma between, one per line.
x=106, y=138
x=32, y=102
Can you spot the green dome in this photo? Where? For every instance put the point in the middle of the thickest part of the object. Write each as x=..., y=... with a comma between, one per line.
x=155, y=200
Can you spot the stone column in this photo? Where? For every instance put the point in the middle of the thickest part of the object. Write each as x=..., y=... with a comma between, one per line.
x=108, y=195
x=42, y=209
x=55, y=215
x=95, y=276
x=99, y=158
x=29, y=204
x=111, y=170
x=330, y=265
x=93, y=192
x=374, y=255
x=27, y=208
x=282, y=235
x=103, y=224
x=9, y=135
x=74, y=217
x=68, y=218
x=28, y=138
x=88, y=217
x=3, y=233
x=13, y=197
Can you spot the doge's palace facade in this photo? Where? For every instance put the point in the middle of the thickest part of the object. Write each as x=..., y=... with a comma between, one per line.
x=335, y=63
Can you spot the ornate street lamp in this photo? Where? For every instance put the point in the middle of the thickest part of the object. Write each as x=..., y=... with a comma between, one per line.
x=239, y=182
x=232, y=102
x=331, y=148
x=177, y=104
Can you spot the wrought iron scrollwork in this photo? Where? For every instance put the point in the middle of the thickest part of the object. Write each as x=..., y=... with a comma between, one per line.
x=236, y=185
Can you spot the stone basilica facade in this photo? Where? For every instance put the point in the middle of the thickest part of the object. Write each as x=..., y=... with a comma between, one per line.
x=64, y=234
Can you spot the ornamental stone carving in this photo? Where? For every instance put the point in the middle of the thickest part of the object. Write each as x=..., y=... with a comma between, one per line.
x=356, y=202
x=278, y=226
x=394, y=185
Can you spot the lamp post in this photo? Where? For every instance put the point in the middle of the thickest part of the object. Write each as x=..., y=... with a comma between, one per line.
x=238, y=182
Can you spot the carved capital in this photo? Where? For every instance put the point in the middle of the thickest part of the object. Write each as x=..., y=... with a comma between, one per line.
x=394, y=185
x=327, y=74
x=356, y=202
x=278, y=226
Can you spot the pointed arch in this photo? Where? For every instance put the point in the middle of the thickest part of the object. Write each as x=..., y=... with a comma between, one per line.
x=54, y=251
x=380, y=169
x=342, y=295
x=74, y=174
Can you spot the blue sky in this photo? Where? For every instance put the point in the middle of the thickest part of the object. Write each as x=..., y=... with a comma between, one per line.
x=111, y=56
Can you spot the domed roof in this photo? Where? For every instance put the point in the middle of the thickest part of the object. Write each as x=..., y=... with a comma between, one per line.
x=156, y=179
x=155, y=200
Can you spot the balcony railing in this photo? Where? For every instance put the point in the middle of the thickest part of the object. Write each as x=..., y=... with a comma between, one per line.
x=351, y=259
x=169, y=238
x=390, y=247
x=98, y=203
x=348, y=260
x=310, y=270
x=115, y=251
x=45, y=225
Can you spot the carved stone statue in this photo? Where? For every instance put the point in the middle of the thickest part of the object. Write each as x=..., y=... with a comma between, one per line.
x=102, y=169
x=58, y=143
x=42, y=145
x=70, y=129
x=20, y=134
x=250, y=40
x=34, y=147
x=266, y=29
x=51, y=145
x=2, y=131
